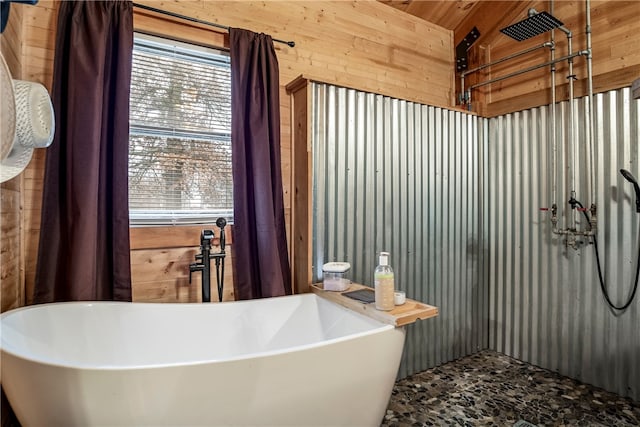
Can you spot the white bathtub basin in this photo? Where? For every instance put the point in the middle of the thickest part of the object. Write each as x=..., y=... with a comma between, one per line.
x=296, y=360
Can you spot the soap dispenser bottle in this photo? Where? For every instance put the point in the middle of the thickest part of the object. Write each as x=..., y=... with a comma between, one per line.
x=384, y=284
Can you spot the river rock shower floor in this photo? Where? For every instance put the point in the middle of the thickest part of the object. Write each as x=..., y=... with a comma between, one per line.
x=491, y=389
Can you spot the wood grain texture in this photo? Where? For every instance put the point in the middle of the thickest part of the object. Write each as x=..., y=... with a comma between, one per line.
x=10, y=42
x=156, y=24
x=409, y=312
x=365, y=45
x=447, y=14
x=601, y=83
x=38, y=49
x=162, y=275
x=12, y=258
x=174, y=236
x=301, y=249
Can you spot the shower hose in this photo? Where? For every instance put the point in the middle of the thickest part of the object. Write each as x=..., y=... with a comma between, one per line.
x=602, y=285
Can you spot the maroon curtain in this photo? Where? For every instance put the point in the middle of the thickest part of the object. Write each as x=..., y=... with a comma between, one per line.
x=261, y=261
x=84, y=236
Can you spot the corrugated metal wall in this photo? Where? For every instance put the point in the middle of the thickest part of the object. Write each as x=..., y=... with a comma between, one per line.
x=456, y=201
x=392, y=175
x=546, y=306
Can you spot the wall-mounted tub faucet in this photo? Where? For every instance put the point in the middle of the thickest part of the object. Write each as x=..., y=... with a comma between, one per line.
x=204, y=261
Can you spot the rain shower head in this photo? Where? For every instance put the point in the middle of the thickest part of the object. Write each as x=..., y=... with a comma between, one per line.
x=535, y=24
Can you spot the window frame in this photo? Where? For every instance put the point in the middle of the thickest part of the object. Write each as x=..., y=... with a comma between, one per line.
x=164, y=218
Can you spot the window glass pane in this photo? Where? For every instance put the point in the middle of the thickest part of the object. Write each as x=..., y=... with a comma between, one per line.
x=180, y=133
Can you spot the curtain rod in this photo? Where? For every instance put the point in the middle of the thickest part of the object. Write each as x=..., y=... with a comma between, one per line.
x=199, y=21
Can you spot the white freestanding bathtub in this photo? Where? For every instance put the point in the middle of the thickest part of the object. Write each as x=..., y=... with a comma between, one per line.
x=296, y=360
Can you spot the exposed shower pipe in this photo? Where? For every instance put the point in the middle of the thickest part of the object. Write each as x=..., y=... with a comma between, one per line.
x=554, y=137
x=573, y=153
x=592, y=164
x=573, y=157
x=530, y=27
x=572, y=230
x=528, y=69
x=466, y=98
x=506, y=58
x=537, y=23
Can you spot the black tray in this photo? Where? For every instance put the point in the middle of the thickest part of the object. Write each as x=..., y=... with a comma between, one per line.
x=364, y=295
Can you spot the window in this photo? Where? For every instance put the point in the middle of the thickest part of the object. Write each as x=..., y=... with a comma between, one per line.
x=180, y=133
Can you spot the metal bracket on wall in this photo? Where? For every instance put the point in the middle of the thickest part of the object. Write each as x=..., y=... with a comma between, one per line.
x=461, y=49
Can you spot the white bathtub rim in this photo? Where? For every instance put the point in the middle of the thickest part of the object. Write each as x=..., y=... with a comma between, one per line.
x=131, y=367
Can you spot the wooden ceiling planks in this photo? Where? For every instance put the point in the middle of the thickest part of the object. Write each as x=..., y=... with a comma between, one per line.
x=447, y=14
x=460, y=16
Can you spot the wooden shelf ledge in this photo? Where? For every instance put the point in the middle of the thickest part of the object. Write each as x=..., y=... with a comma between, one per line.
x=405, y=314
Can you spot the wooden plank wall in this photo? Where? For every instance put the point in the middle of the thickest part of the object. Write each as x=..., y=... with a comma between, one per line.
x=160, y=258
x=38, y=44
x=365, y=45
x=616, y=56
x=11, y=249
x=301, y=218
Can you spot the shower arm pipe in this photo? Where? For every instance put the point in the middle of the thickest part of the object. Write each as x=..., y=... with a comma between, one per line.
x=466, y=97
x=528, y=69
x=506, y=58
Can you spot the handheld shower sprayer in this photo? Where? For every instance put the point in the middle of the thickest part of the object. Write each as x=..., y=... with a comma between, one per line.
x=219, y=257
x=221, y=223
x=629, y=177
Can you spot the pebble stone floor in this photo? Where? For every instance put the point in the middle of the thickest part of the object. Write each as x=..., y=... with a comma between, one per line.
x=491, y=389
